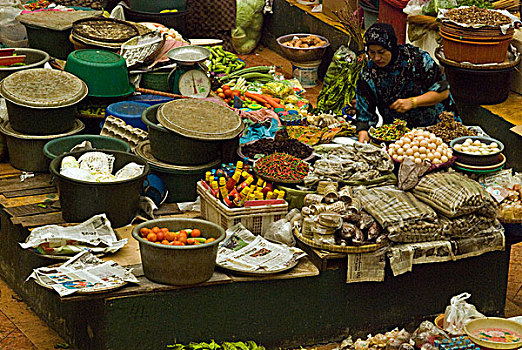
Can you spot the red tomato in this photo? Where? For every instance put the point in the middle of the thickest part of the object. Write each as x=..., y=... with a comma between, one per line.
x=225, y=87
x=228, y=93
x=182, y=237
x=177, y=243
x=210, y=240
x=222, y=95
x=160, y=236
x=236, y=93
x=190, y=241
x=195, y=233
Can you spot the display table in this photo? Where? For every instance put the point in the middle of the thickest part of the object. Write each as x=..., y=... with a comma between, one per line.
x=290, y=309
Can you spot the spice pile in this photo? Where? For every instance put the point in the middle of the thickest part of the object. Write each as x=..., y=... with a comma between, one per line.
x=390, y=132
x=448, y=129
x=269, y=146
x=474, y=15
x=281, y=167
x=281, y=143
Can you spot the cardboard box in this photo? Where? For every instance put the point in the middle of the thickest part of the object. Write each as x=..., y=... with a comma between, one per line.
x=335, y=5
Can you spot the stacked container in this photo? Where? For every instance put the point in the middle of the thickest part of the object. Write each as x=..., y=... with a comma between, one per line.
x=187, y=138
x=41, y=106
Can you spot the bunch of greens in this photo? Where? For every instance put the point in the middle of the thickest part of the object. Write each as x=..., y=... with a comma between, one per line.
x=239, y=345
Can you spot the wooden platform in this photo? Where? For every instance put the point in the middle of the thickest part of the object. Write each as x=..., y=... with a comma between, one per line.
x=302, y=306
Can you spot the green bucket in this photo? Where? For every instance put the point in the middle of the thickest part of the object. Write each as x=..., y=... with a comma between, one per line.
x=54, y=148
x=104, y=72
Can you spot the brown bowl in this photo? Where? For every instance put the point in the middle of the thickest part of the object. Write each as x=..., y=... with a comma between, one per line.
x=305, y=54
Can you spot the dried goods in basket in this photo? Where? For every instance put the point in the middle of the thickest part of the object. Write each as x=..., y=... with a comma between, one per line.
x=338, y=248
x=107, y=30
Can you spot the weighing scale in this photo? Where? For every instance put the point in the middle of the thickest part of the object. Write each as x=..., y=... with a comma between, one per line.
x=189, y=78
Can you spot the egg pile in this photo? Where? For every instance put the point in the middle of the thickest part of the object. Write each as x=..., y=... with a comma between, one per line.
x=419, y=145
x=477, y=147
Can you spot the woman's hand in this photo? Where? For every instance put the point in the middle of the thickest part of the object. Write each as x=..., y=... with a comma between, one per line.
x=403, y=105
x=363, y=136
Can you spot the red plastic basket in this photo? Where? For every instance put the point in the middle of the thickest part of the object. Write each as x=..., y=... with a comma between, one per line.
x=390, y=11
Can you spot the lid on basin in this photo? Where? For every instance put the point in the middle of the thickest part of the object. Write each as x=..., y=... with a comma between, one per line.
x=200, y=119
x=43, y=88
x=126, y=109
x=104, y=29
x=143, y=150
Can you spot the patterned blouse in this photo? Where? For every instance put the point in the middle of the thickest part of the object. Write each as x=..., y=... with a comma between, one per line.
x=413, y=73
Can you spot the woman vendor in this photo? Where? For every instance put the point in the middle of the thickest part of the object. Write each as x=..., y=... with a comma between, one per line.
x=401, y=81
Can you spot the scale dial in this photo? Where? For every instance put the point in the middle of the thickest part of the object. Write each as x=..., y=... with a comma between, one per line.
x=194, y=83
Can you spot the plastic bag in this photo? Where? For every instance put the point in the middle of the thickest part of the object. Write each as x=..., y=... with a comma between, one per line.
x=10, y=28
x=129, y=171
x=249, y=21
x=279, y=89
x=414, y=7
x=343, y=54
x=432, y=7
x=281, y=230
x=458, y=313
x=425, y=335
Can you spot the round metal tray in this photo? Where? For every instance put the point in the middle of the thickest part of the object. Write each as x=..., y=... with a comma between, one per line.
x=259, y=273
x=338, y=248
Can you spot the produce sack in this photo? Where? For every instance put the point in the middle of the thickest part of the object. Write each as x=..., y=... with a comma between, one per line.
x=453, y=195
x=340, y=82
x=466, y=225
x=249, y=21
x=458, y=313
x=404, y=217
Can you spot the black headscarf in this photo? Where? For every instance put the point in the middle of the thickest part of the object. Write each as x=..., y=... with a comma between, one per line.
x=382, y=34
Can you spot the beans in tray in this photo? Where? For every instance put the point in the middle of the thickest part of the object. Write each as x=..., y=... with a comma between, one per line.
x=475, y=15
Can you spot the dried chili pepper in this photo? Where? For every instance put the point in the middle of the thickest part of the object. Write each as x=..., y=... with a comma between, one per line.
x=282, y=167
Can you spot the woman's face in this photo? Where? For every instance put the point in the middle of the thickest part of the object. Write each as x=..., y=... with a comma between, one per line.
x=379, y=55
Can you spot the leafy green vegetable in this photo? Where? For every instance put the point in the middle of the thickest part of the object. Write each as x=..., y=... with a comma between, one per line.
x=249, y=20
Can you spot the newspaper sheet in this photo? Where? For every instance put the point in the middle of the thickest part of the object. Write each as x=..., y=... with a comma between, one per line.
x=404, y=256
x=242, y=250
x=83, y=273
x=95, y=234
x=366, y=267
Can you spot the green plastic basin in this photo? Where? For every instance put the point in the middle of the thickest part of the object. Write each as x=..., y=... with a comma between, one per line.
x=54, y=148
x=104, y=72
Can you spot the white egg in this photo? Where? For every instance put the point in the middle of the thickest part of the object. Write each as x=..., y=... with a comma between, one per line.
x=418, y=160
x=416, y=154
x=477, y=142
x=438, y=141
x=399, y=142
x=422, y=156
x=422, y=150
x=444, y=159
x=400, y=151
x=406, y=139
x=400, y=158
x=495, y=150
x=391, y=151
x=436, y=161
x=409, y=152
x=411, y=157
x=437, y=155
x=468, y=141
x=415, y=148
x=458, y=147
x=423, y=143
x=406, y=146
x=484, y=153
x=432, y=146
x=430, y=156
x=415, y=143
x=493, y=145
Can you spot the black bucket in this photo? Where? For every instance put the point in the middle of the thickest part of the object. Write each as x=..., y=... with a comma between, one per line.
x=81, y=200
x=479, y=87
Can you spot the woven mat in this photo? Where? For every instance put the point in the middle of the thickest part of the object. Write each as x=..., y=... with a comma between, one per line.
x=211, y=19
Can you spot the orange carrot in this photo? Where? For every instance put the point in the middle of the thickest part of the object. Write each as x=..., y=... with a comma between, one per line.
x=272, y=102
x=255, y=97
